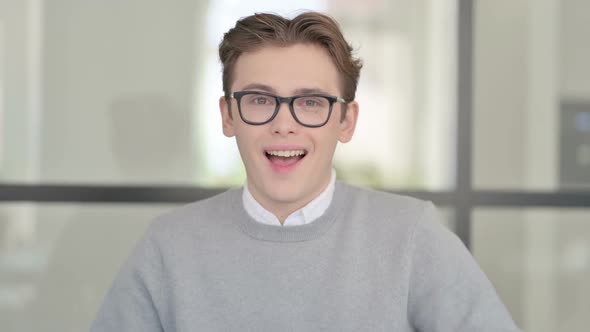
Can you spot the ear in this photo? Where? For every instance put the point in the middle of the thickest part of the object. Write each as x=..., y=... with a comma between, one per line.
x=227, y=122
x=348, y=124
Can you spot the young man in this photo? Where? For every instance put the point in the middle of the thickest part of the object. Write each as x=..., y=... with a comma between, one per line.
x=294, y=249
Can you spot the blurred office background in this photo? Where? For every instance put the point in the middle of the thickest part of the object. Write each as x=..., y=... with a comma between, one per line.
x=109, y=117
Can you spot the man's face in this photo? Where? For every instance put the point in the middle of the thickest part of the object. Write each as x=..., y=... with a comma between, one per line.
x=283, y=185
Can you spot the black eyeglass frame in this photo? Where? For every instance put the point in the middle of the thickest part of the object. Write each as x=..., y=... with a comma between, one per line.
x=289, y=100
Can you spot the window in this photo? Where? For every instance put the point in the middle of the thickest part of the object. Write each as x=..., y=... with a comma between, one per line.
x=479, y=106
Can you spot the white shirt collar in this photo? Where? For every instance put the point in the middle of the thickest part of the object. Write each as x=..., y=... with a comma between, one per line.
x=305, y=215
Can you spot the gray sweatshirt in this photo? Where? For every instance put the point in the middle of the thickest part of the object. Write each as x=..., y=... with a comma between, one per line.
x=372, y=262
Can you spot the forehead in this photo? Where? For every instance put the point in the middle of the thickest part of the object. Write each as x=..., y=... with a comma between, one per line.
x=287, y=69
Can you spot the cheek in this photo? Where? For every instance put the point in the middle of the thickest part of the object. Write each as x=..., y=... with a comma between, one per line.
x=326, y=142
x=329, y=137
x=246, y=141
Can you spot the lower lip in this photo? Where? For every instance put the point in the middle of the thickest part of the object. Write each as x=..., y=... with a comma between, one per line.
x=282, y=169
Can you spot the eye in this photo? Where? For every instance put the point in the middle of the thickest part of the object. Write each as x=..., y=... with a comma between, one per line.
x=260, y=100
x=311, y=102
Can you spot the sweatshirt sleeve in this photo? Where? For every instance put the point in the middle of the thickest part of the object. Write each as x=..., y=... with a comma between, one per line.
x=131, y=302
x=447, y=289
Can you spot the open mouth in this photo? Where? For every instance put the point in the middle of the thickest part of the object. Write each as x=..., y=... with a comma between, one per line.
x=285, y=158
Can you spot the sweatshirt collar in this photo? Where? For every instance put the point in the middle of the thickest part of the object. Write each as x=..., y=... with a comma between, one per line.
x=307, y=232
x=305, y=215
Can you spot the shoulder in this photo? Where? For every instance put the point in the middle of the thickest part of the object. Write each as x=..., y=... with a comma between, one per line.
x=386, y=205
x=197, y=217
x=389, y=215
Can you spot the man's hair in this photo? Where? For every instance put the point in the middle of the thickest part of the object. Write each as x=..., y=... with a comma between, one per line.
x=259, y=30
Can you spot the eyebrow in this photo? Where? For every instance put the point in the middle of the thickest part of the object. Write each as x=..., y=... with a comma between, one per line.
x=259, y=86
x=299, y=91
x=306, y=91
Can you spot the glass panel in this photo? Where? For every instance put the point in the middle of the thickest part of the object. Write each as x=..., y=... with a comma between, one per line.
x=539, y=261
x=532, y=95
x=136, y=100
x=405, y=136
x=58, y=260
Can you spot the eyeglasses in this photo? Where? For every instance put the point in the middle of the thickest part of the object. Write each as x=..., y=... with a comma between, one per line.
x=258, y=108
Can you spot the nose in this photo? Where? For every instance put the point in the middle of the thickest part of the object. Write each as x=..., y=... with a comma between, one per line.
x=283, y=123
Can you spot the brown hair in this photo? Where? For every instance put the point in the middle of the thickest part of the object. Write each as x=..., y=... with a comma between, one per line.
x=258, y=30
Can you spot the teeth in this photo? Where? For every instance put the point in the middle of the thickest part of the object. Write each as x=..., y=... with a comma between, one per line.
x=286, y=153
